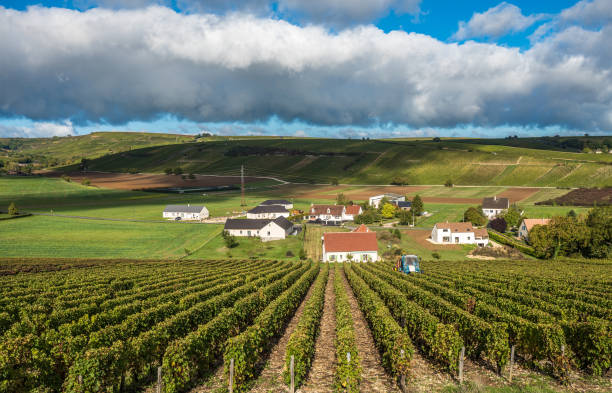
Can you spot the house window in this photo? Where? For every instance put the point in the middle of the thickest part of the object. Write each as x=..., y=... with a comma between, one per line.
x=332, y=257
x=268, y=233
x=248, y=233
x=446, y=239
x=456, y=240
x=468, y=238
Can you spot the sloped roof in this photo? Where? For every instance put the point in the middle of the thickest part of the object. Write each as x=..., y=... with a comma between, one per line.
x=183, y=208
x=481, y=233
x=530, y=222
x=276, y=202
x=403, y=203
x=495, y=203
x=335, y=210
x=361, y=229
x=350, y=241
x=283, y=223
x=353, y=209
x=389, y=195
x=268, y=209
x=238, y=223
x=459, y=227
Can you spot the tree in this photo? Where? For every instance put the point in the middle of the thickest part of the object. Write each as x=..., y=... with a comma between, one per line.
x=349, y=256
x=513, y=216
x=334, y=181
x=191, y=176
x=12, y=209
x=84, y=165
x=437, y=139
x=499, y=224
x=417, y=205
x=341, y=199
x=369, y=216
x=475, y=216
x=230, y=240
x=382, y=203
x=397, y=233
x=178, y=170
x=599, y=221
x=405, y=217
x=449, y=183
x=388, y=210
x=168, y=171
x=572, y=214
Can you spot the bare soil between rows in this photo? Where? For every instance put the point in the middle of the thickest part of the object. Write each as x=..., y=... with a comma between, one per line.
x=138, y=181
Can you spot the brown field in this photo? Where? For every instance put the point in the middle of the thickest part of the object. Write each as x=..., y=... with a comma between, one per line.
x=518, y=194
x=361, y=194
x=137, y=181
x=421, y=235
x=583, y=197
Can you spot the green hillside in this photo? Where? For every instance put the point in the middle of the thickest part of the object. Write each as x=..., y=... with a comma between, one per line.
x=315, y=160
x=372, y=162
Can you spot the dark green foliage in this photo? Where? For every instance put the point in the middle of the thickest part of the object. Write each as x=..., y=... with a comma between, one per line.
x=417, y=205
x=405, y=217
x=448, y=183
x=230, y=240
x=475, y=216
x=178, y=170
x=499, y=224
x=12, y=209
x=513, y=216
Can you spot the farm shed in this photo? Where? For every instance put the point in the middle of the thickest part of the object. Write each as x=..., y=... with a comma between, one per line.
x=282, y=202
x=185, y=212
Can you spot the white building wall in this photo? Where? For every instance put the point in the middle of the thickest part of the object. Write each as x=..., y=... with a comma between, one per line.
x=267, y=215
x=440, y=235
x=492, y=213
x=269, y=232
x=187, y=216
x=358, y=256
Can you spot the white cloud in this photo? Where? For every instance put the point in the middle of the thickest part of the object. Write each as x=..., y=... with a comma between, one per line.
x=37, y=130
x=496, y=22
x=300, y=133
x=590, y=13
x=117, y=66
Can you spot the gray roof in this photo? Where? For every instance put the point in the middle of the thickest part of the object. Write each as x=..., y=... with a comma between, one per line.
x=495, y=203
x=239, y=223
x=283, y=223
x=276, y=202
x=268, y=209
x=183, y=208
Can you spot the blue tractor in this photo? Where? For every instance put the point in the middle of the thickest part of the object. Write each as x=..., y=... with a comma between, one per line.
x=408, y=264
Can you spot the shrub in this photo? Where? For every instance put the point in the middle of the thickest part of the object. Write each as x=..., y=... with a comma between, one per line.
x=475, y=216
x=168, y=171
x=85, y=181
x=178, y=170
x=66, y=178
x=230, y=240
x=302, y=254
x=449, y=183
x=289, y=253
x=499, y=224
x=435, y=255
x=12, y=209
x=191, y=176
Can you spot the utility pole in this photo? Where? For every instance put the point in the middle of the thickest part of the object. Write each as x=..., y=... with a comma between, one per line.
x=242, y=202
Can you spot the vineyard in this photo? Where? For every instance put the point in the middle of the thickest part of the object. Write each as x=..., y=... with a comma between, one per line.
x=95, y=326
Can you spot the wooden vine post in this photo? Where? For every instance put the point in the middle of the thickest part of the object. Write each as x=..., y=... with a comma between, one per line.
x=348, y=360
x=461, y=356
x=291, y=366
x=159, y=379
x=511, y=362
x=231, y=376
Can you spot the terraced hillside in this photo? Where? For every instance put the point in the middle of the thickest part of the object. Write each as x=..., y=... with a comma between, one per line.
x=371, y=162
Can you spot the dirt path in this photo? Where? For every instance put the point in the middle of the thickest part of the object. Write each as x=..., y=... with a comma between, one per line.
x=425, y=377
x=271, y=378
x=373, y=376
x=321, y=377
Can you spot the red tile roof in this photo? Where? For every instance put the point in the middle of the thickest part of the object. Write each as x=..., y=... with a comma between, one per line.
x=530, y=222
x=361, y=229
x=456, y=226
x=334, y=210
x=353, y=209
x=350, y=241
x=481, y=233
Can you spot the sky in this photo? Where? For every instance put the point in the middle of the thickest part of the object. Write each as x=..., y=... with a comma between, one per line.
x=321, y=68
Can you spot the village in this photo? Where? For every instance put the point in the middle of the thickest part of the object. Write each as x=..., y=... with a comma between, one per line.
x=354, y=235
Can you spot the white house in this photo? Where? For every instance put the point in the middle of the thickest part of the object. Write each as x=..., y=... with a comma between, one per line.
x=267, y=211
x=459, y=233
x=375, y=200
x=350, y=246
x=351, y=211
x=328, y=214
x=529, y=223
x=492, y=207
x=282, y=202
x=265, y=229
x=186, y=212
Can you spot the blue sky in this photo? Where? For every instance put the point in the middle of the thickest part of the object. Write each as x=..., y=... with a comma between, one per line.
x=336, y=68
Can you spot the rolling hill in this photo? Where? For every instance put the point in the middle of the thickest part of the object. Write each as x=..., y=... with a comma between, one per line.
x=354, y=161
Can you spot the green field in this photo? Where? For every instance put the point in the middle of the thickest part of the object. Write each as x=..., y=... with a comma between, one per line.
x=42, y=236
x=249, y=248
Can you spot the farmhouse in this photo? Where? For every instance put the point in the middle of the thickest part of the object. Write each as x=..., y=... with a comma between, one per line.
x=459, y=233
x=350, y=246
x=266, y=229
x=492, y=207
x=375, y=200
x=529, y=223
x=350, y=211
x=283, y=202
x=327, y=214
x=185, y=212
x=267, y=211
